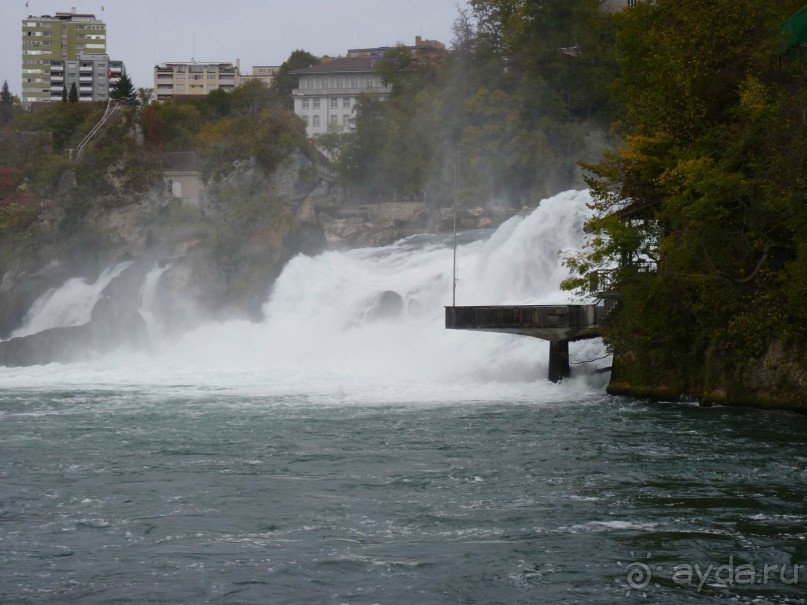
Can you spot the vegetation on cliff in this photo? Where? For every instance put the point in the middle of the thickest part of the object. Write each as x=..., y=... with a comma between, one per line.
x=702, y=214
x=64, y=214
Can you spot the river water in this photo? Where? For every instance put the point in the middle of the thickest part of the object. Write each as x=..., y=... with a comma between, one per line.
x=332, y=454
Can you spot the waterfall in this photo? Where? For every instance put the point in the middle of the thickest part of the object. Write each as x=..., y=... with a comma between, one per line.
x=71, y=304
x=318, y=326
x=366, y=324
x=147, y=294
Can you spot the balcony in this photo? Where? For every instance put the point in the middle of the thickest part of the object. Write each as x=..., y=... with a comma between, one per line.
x=85, y=80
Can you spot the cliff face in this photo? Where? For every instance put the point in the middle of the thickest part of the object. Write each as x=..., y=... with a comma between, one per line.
x=217, y=260
x=777, y=380
x=383, y=223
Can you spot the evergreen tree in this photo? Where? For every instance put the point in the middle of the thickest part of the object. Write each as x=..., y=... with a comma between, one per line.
x=73, y=96
x=124, y=91
x=6, y=104
x=6, y=99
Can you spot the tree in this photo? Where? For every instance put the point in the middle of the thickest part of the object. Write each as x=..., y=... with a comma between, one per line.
x=73, y=96
x=6, y=104
x=6, y=100
x=284, y=82
x=708, y=190
x=144, y=95
x=124, y=91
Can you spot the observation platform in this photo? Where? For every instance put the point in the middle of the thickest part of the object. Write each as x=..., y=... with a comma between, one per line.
x=559, y=324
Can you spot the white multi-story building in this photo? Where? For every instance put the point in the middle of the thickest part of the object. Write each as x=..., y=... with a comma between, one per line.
x=191, y=78
x=328, y=92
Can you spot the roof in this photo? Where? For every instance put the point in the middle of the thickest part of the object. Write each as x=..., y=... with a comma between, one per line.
x=180, y=160
x=338, y=66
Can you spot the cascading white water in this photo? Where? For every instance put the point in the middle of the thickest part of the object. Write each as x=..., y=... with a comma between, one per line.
x=69, y=305
x=322, y=336
x=317, y=325
x=147, y=294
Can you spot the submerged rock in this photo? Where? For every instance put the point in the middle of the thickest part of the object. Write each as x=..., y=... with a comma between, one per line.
x=386, y=305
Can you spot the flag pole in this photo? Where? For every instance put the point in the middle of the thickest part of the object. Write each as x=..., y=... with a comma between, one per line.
x=454, y=278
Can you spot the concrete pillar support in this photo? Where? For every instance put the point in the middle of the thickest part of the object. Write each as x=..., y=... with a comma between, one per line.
x=558, y=360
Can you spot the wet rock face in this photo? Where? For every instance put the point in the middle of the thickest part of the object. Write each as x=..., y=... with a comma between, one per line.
x=112, y=326
x=385, y=306
x=223, y=255
x=384, y=223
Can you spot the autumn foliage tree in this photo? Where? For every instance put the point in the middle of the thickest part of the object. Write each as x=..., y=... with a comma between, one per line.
x=708, y=190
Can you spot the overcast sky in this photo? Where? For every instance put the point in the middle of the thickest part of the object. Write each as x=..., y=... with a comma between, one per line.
x=143, y=33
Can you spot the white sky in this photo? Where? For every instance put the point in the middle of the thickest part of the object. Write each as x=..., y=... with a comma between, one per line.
x=143, y=33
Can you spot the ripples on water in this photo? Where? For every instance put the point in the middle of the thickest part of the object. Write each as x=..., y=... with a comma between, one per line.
x=132, y=496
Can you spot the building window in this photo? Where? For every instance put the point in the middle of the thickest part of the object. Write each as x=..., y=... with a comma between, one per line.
x=305, y=119
x=306, y=103
x=316, y=121
x=335, y=103
x=334, y=119
x=326, y=83
x=316, y=103
x=346, y=102
x=345, y=120
x=354, y=82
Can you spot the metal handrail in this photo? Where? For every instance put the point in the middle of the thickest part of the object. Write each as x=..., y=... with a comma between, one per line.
x=110, y=109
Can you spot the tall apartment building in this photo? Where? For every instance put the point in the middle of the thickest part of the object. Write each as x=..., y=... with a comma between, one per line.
x=93, y=76
x=191, y=78
x=61, y=37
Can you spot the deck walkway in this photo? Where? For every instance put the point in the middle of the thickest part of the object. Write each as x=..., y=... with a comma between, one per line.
x=558, y=324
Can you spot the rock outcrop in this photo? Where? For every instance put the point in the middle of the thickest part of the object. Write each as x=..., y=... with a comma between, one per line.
x=354, y=226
